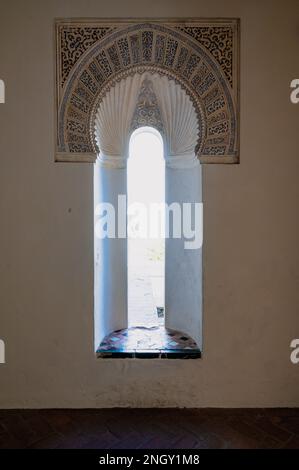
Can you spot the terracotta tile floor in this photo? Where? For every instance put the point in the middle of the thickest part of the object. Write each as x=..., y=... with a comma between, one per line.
x=150, y=428
x=148, y=340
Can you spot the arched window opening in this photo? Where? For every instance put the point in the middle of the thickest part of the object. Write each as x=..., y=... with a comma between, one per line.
x=146, y=229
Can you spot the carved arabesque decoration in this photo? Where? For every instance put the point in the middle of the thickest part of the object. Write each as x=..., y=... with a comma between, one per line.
x=201, y=56
x=73, y=42
x=219, y=40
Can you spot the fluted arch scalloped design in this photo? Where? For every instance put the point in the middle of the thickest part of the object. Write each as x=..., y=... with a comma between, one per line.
x=180, y=52
x=182, y=128
x=178, y=120
x=114, y=116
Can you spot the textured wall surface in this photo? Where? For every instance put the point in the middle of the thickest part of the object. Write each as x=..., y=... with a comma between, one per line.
x=251, y=230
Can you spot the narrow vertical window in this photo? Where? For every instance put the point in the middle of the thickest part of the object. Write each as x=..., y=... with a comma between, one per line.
x=146, y=229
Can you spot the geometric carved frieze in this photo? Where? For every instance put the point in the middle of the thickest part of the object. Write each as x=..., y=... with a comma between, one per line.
x=201, y=56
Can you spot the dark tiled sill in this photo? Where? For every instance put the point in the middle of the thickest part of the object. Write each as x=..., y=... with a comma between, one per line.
x=150, y=354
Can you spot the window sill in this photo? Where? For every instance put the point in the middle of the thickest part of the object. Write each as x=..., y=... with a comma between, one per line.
x=150, y=354
x=155, y=342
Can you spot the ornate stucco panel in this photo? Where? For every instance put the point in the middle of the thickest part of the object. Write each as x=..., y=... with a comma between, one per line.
x=200, y=55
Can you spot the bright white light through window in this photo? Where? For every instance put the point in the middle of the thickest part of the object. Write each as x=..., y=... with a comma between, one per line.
x=146, y=255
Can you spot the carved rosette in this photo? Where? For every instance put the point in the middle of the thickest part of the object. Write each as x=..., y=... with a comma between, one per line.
x=200, y=57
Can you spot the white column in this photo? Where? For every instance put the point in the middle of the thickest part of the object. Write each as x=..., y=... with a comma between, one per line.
x=110, y=277
x=183, y=267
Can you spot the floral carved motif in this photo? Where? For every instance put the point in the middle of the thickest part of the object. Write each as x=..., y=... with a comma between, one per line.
x=147, y=112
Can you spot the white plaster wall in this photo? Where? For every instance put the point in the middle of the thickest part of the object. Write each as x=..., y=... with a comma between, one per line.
x=183, y=267
x=110, y=266
x=250, y=257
